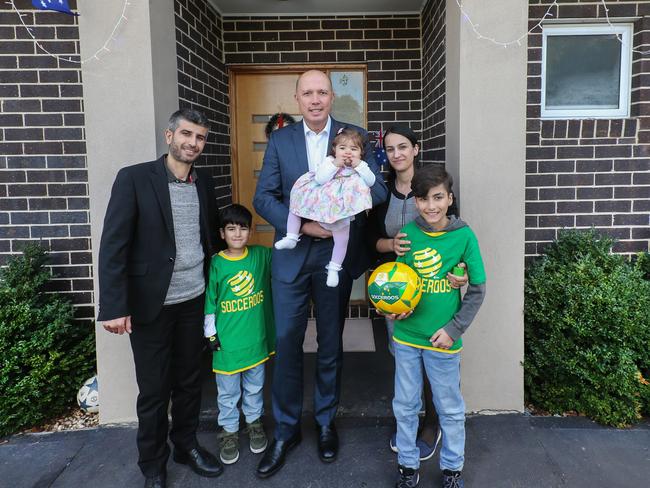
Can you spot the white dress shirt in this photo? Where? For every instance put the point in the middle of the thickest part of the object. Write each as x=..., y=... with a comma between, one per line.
x=317, y=147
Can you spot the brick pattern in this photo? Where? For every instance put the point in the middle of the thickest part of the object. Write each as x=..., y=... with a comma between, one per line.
x=584, y=173
x=389, y=44
x=433, y=79
x=43, y=176
x=203, y=84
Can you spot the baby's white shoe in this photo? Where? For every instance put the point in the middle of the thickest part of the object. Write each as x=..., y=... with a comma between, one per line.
x=333, y=274
x=287, y=242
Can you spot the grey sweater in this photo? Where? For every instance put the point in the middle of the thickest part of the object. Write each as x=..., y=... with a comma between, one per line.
x=187, y=278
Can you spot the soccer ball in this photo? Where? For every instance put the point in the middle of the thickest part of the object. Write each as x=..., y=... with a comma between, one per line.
x=88, y=395
x=394, y=288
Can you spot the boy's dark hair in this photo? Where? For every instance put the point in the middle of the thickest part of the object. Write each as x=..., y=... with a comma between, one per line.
x=348, y=133
x=235, y=214
x=428, y=177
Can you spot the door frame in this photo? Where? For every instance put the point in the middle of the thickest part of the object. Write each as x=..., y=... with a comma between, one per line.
x=235, y=70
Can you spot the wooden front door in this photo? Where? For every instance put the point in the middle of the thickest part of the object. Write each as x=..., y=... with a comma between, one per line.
x=256, y=97
x=258, y=93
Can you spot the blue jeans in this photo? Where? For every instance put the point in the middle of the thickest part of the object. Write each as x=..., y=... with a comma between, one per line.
x=390, y=329
x=443, y=371
x=229, y=391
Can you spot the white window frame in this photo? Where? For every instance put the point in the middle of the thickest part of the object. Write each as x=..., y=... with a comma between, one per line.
x=625, y=32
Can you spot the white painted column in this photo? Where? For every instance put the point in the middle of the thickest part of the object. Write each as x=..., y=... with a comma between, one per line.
x=129, y=93
x=485, y=139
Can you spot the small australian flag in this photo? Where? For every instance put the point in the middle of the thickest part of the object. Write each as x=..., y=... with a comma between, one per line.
x=56, y=5
x=380, y=152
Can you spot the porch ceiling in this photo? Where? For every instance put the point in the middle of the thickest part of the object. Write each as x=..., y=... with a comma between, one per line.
x=315, y=7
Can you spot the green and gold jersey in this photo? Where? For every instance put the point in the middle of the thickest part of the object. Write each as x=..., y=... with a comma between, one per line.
x=239, y=294
x=432, y=256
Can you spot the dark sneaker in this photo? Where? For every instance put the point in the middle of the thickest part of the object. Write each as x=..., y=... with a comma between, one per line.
x=256, y=436
x=408, y=477
x=452, y=479
x=228, y=446
x=428, y=450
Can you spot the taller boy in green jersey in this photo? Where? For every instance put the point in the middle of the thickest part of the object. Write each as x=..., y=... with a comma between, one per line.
x=239, y=325
x=430, y=337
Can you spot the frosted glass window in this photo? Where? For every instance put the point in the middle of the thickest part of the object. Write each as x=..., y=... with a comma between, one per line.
x=586, y=71
x=349, y=101
x=583, y=71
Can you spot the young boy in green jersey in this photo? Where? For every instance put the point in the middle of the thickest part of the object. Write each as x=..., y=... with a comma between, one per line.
x=240, y=330
x=430, y=336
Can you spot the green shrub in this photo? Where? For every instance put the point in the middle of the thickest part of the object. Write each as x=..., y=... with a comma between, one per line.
x=587, y=330
x=643, y=263
x=645, y=393
x=44, y=354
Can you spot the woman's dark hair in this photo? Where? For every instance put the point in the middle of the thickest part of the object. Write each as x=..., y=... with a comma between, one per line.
x=347, y=133
x=235, y=214
x=404, y=131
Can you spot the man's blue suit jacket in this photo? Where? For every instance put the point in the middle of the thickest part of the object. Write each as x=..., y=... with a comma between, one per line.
x=285, y=160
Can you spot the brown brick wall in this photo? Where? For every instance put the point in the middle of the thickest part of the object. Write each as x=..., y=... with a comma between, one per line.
x=389, y=44
x=43, y=176
x=203, y=84
x=583, y=173
x=433, y=77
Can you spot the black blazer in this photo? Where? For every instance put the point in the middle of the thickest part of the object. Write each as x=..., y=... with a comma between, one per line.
x=137, y=249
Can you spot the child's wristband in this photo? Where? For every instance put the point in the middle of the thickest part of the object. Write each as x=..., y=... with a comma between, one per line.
x=458, y=271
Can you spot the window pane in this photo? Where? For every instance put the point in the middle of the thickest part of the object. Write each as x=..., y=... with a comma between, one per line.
x=349, y=91
x=583, y=71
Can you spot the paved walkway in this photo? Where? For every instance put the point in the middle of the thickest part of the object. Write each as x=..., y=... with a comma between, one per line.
x=502, y=451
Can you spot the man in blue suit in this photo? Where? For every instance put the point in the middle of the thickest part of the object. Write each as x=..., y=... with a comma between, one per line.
x=300, y=274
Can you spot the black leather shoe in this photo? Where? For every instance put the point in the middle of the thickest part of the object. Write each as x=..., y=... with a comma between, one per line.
x=275, y=454
x=158, y=481
x=201, y=461
x=328, y=442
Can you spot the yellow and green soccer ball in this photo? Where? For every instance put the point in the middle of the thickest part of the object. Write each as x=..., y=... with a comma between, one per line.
x=394, y=288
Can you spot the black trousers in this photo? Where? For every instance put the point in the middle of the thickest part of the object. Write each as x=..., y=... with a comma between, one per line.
x=167, y=355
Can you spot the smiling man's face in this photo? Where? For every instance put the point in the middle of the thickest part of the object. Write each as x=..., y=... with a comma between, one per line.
x=187, y=142
x=314, y=96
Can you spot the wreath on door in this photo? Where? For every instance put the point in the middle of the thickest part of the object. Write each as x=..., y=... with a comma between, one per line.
x=278, y=121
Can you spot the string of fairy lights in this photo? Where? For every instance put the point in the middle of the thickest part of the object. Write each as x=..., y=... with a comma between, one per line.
x=618, y=36
x=465, y=14
x=474, y=26
x=69, y=58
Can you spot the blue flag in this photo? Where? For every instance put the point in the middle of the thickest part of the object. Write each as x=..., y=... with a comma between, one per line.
x=56, y=5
